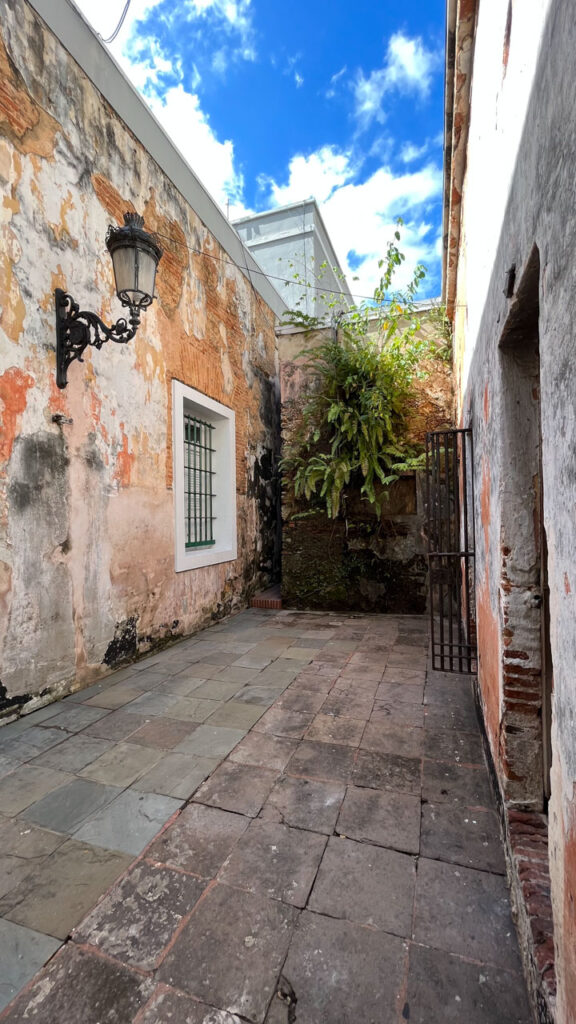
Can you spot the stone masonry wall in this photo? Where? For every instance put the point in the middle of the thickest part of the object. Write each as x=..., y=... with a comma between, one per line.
x=515, y=346
x=360, y=562
x=87, y=572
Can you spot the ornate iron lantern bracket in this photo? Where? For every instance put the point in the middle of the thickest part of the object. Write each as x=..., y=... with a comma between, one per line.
x=76, y=329
x=135, y=256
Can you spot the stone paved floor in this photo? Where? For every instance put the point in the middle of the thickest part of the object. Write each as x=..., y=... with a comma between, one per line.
x=341, y=864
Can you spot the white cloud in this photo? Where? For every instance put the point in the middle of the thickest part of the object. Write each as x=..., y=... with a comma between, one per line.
x=360, y=216
x=408, y=67
x=181, y=116
x=335, y=78
x=298, y=79
x=410, y=152
x=316, y=175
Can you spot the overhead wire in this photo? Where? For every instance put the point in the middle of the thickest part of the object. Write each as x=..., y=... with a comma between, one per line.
x=119, y=25
x=262, y=273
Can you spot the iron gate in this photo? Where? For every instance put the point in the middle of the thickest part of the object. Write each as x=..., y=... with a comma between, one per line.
x=450, y=526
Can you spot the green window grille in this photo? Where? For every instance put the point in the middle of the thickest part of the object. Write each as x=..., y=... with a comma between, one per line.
x=198, y=482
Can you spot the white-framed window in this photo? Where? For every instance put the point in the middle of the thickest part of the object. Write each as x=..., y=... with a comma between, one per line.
x=204, y=453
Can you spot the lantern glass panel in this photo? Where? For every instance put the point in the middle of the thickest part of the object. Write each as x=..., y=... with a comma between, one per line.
x=135, y=273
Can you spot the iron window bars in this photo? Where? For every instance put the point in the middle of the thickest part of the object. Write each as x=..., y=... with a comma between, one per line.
x=198, y=482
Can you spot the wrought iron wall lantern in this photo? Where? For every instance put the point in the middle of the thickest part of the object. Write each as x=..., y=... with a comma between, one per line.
x=135, y=257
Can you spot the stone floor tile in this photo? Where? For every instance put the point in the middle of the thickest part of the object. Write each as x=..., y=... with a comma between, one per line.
x=115, y=697
x=356, y=684
x=235, y=674
x=177, y=775
x=129, y=822
x=381, y=817
x=13, y=870
x=194, y=709
x=211, y=741
x=262, y=695
x=81, y=987
x=154, y=703
x=465, y=912
x=348, y=705
x=73, y=754
x=122, y=764
x=341, y=972
x=457, y=693
x=57, y=893
x=42, y=714
x=76, y=717
x=237, y=787
x=438, y=717
x=26, y=842
x=26, y=785
x=399, y=693
x=231, y=951
x=8, y=764
x=391, y=738
x=200, y=672
x=177, y=1008
x=315, y=682
x=331, y=729
x=451, y=746
x=304, y=804
x=217, y=689
x=163, y=733
x=301, y=654
x=327, y=761
x=281, y=671
x=236, y=715
x=181, y=687
x=67, y=807
x=21, y=849
x=401, y=713
x=254, y=659
x=199, y=840
x=276, y=861
x=118, y=725
x=387, y=771
x=402, y=676
x=457, y=784
x=216, y=658
x=446, y=988
x=85, y=692
x=459, y=835
x=282, y=722
x=138, y=917
x=22, y=953
x=352, y=873
x=34, y=741
x=264, y=751
x=302, y=701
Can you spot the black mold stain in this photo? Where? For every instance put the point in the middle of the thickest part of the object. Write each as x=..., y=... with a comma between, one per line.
x=12, y=702
x=44, y=464
x=125, y=642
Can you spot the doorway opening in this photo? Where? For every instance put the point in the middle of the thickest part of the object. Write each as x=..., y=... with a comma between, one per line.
x=527, y=677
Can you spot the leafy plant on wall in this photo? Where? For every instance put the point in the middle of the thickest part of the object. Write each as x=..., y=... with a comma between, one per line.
x=353, y=428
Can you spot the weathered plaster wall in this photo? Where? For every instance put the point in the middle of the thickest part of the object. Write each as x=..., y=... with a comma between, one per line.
x=86, y=509
x=520, y=162
x=361, y=561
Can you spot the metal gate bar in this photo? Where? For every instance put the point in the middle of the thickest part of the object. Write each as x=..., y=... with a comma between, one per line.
x=450, y=512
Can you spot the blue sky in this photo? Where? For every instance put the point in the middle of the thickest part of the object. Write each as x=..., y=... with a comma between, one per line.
x=273, y=103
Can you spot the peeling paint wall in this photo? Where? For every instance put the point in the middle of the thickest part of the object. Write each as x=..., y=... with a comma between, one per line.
x=515, y=350
x=86, y=506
